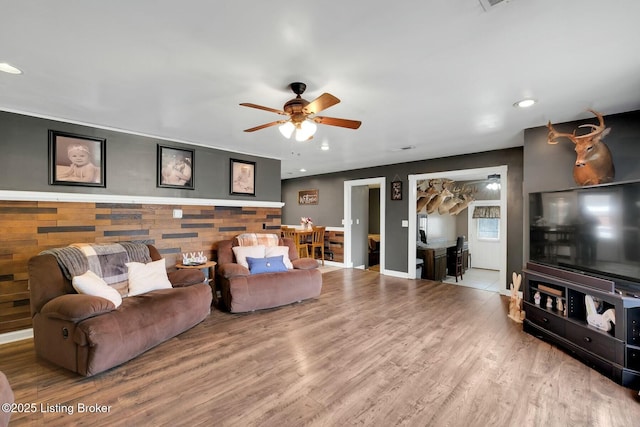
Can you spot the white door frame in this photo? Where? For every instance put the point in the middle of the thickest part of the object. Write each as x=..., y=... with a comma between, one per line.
x=459, y=175
x=347, y=220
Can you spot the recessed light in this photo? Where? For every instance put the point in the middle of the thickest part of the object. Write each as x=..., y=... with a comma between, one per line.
x=324, y=147
x=303, y=170
x=525, y=103
x=7, y=68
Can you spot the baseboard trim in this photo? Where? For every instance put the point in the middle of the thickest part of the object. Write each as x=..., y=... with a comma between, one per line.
x=392, y=273
x=331, y=263
x=23, y=334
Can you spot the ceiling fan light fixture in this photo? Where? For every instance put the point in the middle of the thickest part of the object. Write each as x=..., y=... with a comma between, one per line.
x=305, y=130
x=495, y=182
x=286, y=129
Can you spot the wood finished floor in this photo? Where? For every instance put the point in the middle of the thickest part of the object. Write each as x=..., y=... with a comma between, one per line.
x=371, y=350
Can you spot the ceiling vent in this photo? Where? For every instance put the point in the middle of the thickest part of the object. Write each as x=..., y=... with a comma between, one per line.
x=488, y=4
x=405, y=148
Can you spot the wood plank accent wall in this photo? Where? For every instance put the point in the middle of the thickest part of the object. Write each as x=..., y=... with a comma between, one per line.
x=27, y=228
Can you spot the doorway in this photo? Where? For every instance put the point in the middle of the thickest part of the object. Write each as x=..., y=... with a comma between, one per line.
x=499, y=254
x=485, y=237
x=356, y=222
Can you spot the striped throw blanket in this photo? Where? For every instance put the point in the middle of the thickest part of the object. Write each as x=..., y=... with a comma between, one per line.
x=106, y=260
x=253, y=239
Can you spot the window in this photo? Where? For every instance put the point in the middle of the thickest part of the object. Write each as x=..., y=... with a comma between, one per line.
x=488, y=228
x=487, y=222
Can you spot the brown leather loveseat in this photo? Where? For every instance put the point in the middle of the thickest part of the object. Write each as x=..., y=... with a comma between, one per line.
x=88, y=335
x=242, y=291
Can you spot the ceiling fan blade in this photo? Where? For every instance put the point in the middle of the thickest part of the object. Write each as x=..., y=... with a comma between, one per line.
x=266, y=125
x=322, y=102
x=260, y=107
x=332, y=121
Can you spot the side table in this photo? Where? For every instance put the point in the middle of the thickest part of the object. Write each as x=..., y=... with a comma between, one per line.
x=209, y=277
x=204, y=267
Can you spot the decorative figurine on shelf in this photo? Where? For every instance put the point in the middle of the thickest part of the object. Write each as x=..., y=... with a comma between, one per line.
x=549, y=303
x=601, y=321
x=536, y=298
x=192, y=258
x=515, y=304
x=559, y=305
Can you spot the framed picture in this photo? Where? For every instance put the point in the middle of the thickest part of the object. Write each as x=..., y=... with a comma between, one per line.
x=175, y=167
x=76, y=159
x=396, y=190
x=308, y=197
x=243, y=177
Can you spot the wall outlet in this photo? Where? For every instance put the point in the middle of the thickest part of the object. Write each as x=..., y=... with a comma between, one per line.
x=177, y=213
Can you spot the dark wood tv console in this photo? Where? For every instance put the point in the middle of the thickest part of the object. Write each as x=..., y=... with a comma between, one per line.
x=615, y=353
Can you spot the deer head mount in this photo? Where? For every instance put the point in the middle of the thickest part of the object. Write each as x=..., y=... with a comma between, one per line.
x=466, y=196
x=443, y=195
x=438, y=195
x=594, y=164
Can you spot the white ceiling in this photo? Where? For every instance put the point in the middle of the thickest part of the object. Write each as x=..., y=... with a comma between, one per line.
x=438, y=75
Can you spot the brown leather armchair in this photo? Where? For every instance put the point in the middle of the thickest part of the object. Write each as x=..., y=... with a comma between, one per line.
x=241, y=291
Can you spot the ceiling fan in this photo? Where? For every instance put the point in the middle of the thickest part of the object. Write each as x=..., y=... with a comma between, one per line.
x=302, y=115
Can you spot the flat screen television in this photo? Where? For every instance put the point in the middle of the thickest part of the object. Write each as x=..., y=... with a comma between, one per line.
x=591, y=230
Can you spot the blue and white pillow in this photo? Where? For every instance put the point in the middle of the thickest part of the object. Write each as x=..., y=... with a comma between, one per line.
x=266, y=265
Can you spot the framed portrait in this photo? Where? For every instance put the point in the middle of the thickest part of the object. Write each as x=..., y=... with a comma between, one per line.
x=308, y=197
x=396, y=190
x=76, y=159
x=243, y=177
x=175, y=167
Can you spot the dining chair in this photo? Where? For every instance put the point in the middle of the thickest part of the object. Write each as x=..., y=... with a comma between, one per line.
x=317, y=242
x=302, y=238
x=288, y=233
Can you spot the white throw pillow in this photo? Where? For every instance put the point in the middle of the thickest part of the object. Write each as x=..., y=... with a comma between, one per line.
x=272, y=251
x=242, y=252
x=90, y=283
x=147, y=277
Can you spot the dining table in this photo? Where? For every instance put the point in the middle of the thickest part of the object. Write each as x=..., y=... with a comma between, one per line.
x=301, y=238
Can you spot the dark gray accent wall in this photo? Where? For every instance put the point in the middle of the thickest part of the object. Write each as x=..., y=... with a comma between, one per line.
x=360, y=226
x=330, y=208
x=131, y=163
x=550, y=167
x=374, y=211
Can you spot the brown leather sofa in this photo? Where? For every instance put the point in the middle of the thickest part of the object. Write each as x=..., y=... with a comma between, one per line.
x=242, y=291
x=88, y=335
x=6, y=397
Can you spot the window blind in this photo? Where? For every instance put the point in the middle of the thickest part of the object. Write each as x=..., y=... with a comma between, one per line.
x=486, y=212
